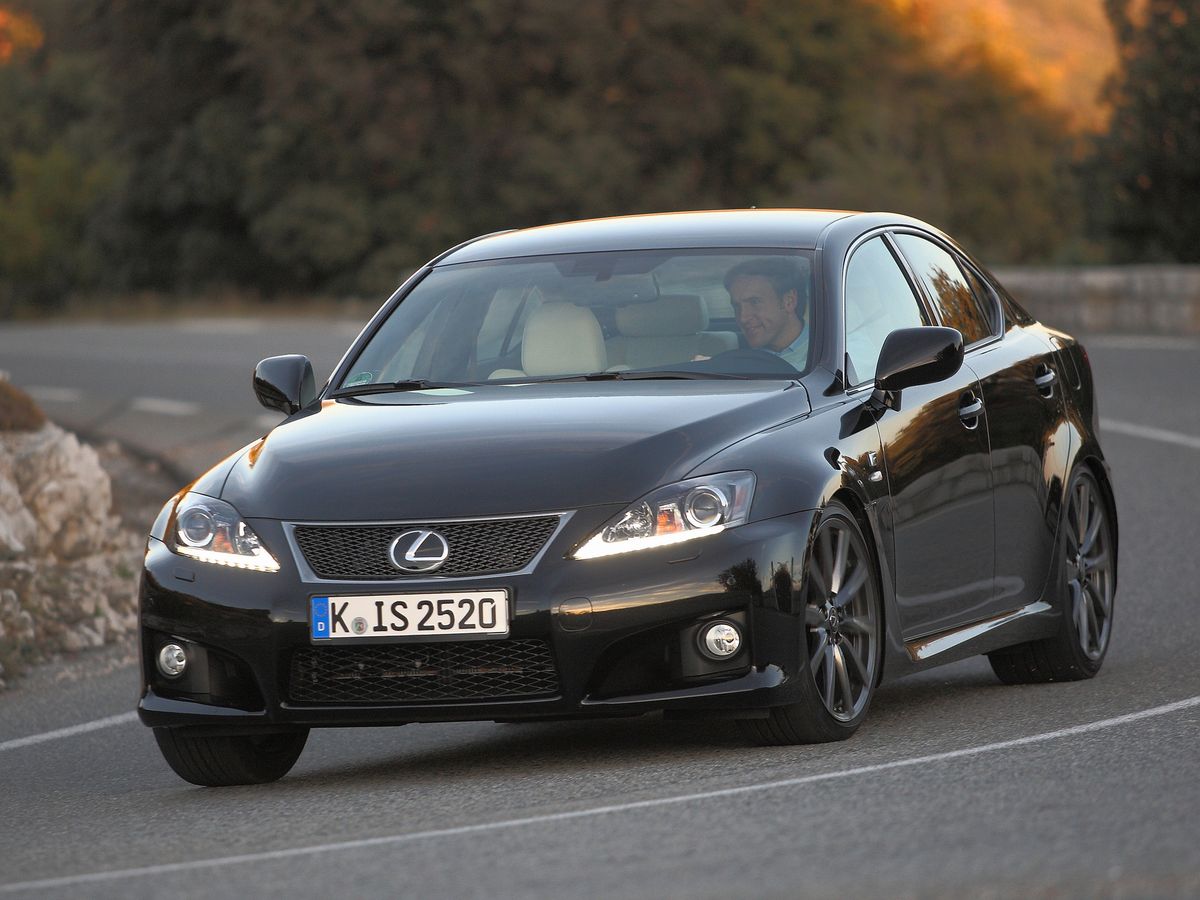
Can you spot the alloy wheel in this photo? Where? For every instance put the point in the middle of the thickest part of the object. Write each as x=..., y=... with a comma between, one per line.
x=1089, y=567
x=841, y=620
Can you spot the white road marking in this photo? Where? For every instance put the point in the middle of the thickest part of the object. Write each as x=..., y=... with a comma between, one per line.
x=164, y=407
x=73, y=730
x=53, y=394
x=267, y=421
x=394, y=839
x=1151, y=434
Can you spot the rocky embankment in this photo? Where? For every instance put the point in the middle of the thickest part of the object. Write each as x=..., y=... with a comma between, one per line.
x=69, y=552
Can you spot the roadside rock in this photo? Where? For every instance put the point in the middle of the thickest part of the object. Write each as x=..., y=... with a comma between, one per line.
x=68, y=561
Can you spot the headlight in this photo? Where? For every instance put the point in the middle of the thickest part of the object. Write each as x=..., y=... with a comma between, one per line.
x=675, y=513
x=211, y=531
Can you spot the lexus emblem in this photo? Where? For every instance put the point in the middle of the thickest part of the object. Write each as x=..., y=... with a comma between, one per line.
x=419, y=550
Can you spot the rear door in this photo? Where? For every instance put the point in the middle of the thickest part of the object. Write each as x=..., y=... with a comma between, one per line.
x=1017, y=370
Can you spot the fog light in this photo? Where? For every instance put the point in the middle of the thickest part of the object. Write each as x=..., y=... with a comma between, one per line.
x=172, y=660
x=721, y=640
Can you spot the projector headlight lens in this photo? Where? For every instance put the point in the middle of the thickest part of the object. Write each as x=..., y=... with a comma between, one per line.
x=210, y=530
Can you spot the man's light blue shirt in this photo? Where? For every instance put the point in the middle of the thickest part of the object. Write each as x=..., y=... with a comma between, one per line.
x=795, y=353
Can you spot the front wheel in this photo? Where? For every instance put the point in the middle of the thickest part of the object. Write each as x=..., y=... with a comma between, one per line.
x=223, y=760
x=1089, y=567
x=842, y=640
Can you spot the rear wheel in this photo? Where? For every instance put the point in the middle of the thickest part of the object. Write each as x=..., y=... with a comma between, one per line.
x=1090, y=574
x=221, y=760
x=842, y=628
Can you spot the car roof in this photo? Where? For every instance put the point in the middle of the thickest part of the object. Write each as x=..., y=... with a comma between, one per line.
x=785, y=228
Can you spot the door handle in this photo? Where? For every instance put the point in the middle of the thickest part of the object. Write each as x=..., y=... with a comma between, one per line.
x=1044, y=378
x=970, y=411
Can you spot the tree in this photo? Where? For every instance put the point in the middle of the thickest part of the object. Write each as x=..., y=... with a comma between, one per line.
x=1149, y=160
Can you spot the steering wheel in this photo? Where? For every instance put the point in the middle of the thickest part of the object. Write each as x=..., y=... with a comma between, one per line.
x=751, y=361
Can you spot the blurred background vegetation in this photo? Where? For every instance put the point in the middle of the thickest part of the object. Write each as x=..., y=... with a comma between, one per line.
x=287, y=147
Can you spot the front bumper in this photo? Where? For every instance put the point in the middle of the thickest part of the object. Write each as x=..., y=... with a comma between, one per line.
x=623, y=645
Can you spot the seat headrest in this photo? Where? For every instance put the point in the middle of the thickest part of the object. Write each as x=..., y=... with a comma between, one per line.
x=668, y=316
x=562, y=339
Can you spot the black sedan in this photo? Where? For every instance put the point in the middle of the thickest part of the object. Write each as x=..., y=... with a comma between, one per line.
x=731, y=464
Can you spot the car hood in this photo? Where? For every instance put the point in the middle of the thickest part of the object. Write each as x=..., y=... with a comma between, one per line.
x=497, y=449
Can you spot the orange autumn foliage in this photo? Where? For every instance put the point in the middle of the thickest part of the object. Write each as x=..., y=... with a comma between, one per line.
x=18, y=31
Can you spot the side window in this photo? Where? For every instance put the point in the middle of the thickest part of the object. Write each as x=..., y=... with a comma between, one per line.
x=952, y=297
x=985, y=297
x=879, y=300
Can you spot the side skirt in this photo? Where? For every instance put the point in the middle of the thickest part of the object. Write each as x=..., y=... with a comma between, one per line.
x=1027, y=623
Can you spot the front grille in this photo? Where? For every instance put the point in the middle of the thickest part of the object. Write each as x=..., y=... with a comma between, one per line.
x=360, y=552
x=407, y=673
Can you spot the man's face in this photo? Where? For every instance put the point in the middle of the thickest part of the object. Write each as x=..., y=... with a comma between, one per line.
x=766, y=319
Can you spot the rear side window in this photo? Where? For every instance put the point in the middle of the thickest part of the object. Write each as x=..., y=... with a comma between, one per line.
x=878, y=301
x=956, y=304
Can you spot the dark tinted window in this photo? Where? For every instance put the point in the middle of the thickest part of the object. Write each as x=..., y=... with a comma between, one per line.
x=879, y=300
x=984, y=296
x=954, y=301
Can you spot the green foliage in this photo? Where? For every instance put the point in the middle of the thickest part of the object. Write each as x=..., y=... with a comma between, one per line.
x=288, y=146
x=1147, y=167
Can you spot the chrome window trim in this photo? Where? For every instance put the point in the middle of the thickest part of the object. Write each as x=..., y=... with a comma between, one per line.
x=308, y=576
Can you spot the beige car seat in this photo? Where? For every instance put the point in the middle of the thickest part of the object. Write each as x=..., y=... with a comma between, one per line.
x=559, y=339
x=665, y=331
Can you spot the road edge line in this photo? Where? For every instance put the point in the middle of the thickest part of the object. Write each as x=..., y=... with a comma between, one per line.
x=394, y=839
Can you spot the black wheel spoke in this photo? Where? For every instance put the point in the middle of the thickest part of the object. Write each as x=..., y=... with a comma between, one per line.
x=855, y=625
x=856, y=662
x=819, y=584
x=827, y=694
x=843, y=679
x=1093, y=529
x=839, y=562
x=858, y=577
x=818, y=654
x=1081, y=510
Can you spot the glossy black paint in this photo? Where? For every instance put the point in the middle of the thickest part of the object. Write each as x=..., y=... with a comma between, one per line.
x=912, y=356
x=285, y=383
x=962, y=511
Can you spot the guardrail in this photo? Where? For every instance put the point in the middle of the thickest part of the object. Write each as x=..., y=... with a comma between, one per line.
x=1140, y=299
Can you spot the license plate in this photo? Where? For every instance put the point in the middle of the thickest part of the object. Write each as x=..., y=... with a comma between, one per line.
x=406, y=615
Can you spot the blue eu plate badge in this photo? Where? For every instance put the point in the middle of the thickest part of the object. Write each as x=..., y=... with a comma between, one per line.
x=320, y=618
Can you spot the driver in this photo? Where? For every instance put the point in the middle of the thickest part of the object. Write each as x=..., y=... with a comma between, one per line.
x=771, y=304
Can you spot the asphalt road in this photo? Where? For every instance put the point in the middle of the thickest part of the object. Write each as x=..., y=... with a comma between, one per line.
x=956, y=785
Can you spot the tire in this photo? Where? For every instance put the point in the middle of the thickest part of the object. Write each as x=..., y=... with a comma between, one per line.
x=223, y=760
x=1088, y=588
x=842, y=649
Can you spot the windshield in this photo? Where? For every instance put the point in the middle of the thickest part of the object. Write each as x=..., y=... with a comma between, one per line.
x=628, y=314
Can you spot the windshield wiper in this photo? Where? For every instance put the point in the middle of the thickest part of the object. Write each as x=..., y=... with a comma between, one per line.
x=681, y=374
x=387, y=387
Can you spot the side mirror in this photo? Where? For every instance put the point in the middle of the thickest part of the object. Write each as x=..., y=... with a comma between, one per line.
x=912, y=356
x=285, y=383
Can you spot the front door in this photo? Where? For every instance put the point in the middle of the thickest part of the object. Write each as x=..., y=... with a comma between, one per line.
x=935, y=453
